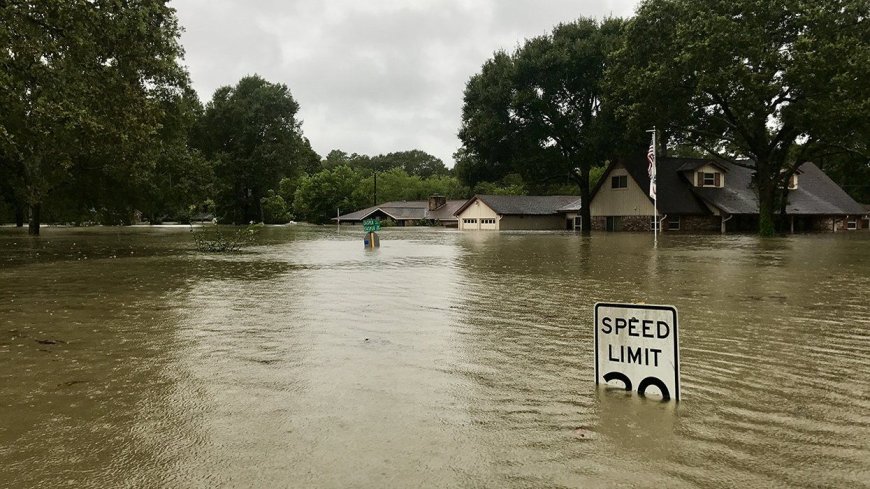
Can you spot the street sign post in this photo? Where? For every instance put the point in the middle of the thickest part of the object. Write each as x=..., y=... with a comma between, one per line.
x=371, y=239
x=638, y=345
x=371, y=225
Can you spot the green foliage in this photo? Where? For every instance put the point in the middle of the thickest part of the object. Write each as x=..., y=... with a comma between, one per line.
x=493, y=188
x=319, y=196
x=413, y=162
x=251, y=134
x=595, y=174
x=396, y=184
x=542, y=111
x=215, y=239
x=81, y=91
x=275, y=210
x=750, y=78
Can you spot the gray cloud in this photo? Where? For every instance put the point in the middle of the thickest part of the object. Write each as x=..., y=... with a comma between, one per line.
x=373, y=76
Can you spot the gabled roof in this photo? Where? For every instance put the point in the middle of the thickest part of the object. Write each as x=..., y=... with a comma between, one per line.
x=445, y=212
x=401, y=210
x=674, y=191
x=816, y=193
x=528, y=205
x=692, y=164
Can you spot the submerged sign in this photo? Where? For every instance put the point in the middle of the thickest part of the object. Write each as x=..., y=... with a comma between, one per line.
x=638, y=346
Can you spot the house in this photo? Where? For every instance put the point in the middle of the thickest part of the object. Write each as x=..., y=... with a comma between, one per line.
x=707, y=195
x=518, y=212
x=437, y=209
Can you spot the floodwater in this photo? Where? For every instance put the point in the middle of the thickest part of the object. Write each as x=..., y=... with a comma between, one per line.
x=443, y=359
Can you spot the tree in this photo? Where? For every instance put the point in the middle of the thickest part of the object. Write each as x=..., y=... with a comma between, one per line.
x=251, y=134
x=78, y=89
x=777, y=82
x=413, y=162
x=541, y=112
x=319, y=196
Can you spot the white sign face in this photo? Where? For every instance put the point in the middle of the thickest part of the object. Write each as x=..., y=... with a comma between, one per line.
x=637, y=346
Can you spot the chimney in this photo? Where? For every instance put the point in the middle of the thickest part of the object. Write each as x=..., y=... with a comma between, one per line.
x=436, y=201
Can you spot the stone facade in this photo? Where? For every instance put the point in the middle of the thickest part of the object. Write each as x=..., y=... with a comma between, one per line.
x=642, y=223
x=697, y=223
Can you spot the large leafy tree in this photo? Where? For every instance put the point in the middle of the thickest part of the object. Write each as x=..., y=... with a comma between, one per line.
x=542, y=111
x=251, y=133
x=774, y=81
x=320, y=196
x=181, y=180
x=80, y=86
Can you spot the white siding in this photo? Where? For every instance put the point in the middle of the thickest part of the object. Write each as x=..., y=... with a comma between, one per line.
x=477, y=211
x=629, y=201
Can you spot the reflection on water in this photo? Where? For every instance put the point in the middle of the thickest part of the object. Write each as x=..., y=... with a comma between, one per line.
x=441, y=359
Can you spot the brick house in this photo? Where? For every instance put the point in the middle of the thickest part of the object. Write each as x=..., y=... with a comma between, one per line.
x=706, y=195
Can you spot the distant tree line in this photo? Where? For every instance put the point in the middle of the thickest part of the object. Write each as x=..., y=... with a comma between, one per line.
x=98, y=123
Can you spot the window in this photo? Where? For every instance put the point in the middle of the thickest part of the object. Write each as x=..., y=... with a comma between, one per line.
x=619, y=181
x=674, y=223
x=487, y=221
x=469, y=221
x=578, y=223
x=709, y=179
x=654, y=224
x=852, y=224
x=613, y=223
x=792, y=182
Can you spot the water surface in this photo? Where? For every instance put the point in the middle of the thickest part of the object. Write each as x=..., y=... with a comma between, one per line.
x=443, y=359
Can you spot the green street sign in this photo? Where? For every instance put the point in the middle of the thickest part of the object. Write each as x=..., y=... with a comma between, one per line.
x=371, y=225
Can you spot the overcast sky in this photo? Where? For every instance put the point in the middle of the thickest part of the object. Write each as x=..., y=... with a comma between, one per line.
x=371, y=76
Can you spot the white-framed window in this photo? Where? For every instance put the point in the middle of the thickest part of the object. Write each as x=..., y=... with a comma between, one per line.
x=852, y=224
x=709, y=180
x=487, y=221
x=619, y=181
x=673, y=223
x=792, y=182
x=469, y=221
x=578, y=223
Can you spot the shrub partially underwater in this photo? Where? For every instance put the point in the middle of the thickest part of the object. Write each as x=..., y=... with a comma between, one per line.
x=213, y=239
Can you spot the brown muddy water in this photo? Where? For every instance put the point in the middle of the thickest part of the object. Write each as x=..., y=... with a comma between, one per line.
x=443, y=359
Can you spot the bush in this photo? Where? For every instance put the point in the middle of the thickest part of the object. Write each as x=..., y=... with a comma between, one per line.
x=215, y=240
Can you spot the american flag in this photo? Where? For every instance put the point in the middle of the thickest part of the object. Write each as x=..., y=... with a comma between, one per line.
x=651, y=170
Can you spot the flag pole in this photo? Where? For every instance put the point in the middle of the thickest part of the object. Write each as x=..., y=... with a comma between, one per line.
x=653, y=190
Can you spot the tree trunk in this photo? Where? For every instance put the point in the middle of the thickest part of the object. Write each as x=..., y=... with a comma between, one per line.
x=33, y=228
x=585, y=211
x=766, y=205
x=19, y=215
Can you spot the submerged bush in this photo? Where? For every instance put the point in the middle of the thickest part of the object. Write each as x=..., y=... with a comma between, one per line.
x=214, y=240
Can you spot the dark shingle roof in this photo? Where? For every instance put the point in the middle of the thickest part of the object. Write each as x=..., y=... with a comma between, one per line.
x=816, y=194
x=540, y=205
x=674, y=191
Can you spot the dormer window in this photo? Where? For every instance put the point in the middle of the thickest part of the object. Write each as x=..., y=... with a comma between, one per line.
x=709, y=179
x=792, y=182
